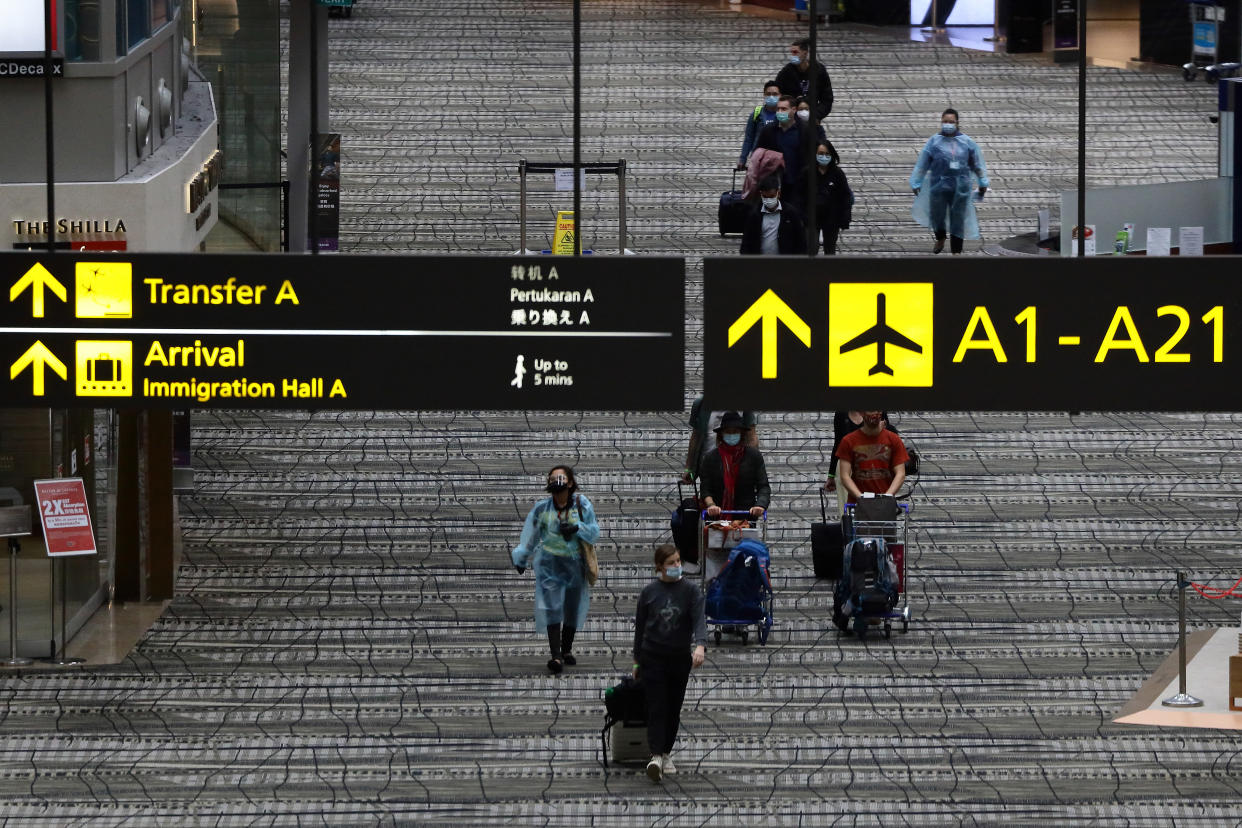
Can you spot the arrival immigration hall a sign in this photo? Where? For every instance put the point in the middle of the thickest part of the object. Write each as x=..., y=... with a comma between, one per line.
x=342, y=332
x=1108, y=333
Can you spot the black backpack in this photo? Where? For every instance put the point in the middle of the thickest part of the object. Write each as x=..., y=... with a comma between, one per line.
x=627, y=703
x=686, y=524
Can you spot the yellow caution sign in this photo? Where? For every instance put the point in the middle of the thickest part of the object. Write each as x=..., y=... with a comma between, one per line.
x=880, y=334
x=563, y=241
x=39, y=358
x=770, y=309
x=38, y=278
x=104, y=290
x=104, y=368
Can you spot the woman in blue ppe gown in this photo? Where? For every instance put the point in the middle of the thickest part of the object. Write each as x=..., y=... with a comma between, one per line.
x=943, y=180
x=551, y=544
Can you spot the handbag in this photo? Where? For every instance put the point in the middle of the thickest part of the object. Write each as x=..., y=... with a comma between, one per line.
x=590, y=563
x=912, y=465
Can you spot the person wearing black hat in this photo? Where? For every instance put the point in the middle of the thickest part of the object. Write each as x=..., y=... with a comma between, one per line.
x=734, y=477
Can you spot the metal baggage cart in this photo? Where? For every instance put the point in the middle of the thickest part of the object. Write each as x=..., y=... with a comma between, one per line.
x=894, y=533
x=713, y=559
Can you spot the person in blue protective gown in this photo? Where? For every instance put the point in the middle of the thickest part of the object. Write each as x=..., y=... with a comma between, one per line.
x=551, y=544
x=943, y=181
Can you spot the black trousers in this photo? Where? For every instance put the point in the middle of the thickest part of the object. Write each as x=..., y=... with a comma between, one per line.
x=664, y=681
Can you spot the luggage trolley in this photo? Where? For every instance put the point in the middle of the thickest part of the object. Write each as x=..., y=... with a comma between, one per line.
x=894, y=533
x=715, y=547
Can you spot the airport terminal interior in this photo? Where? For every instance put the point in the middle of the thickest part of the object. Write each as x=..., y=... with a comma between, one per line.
x=349, y=643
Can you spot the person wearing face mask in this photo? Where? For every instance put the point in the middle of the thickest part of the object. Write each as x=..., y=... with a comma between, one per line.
x=669, y=622
x=734, y=477
x=942, y=181
x=845, y=423
x=774, y=226
x=551, y=543
x=802, y=111
x=795, y=141
x=795, y=77
x=871, y=459
x=763, y=115
x=834, y=200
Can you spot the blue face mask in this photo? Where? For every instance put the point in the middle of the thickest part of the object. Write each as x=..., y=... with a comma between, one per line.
x=824, y=159
x=795, y=60
x=782, y=117
x=673, y=572
x=731, y=439
x=771, y=100
x=948, y=129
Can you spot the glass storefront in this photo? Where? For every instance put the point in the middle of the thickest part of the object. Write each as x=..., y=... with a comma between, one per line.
x=37, y=444
x=238, y=50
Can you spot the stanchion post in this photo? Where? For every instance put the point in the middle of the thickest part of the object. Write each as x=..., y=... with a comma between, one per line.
x=14, y=659
x=621, y=245
x=1182, y=699
x=62, y=660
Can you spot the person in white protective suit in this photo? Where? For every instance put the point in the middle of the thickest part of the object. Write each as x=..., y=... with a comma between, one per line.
x=943, y=181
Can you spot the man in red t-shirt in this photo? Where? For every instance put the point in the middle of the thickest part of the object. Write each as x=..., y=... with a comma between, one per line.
x=871, y=459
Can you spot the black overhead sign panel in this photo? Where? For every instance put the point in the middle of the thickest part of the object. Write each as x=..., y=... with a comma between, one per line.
x=1108, y=333
x=342, y=332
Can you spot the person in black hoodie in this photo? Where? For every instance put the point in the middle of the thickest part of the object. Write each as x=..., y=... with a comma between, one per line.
x=795, y=77
x=670, y=619
x=833, y=197
x=775, y=226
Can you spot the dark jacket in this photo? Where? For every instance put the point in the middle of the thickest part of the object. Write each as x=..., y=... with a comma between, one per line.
x=793, y=82
x=752, y=487
x=832, y=198
x=797, y=145
x=790, y=238
x=669, y=619
x=759, y=118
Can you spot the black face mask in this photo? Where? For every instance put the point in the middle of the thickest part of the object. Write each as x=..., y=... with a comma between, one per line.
x=558, y=484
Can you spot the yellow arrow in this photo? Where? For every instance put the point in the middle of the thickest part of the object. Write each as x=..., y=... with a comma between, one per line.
x=37, y=278
x=770, y=308
x=39, y=357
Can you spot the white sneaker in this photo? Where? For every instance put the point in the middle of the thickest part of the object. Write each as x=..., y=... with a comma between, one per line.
x=655, y=768
x=666, y=762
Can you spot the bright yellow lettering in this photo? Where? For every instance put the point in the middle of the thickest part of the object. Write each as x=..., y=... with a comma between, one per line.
x=156, y=355
x=1132, y=343
x=1165, y=352
x=992, y=343
x=286, y=292
x=338, y=389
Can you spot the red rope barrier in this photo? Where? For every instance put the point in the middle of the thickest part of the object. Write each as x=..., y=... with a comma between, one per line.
x=1214, y=593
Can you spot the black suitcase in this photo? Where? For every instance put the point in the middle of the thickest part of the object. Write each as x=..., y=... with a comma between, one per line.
x=687, y=526
x=827, y=545
x=731, y=215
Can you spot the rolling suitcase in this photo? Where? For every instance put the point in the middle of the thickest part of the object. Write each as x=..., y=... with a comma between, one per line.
x=731, y=215
x=827, y=544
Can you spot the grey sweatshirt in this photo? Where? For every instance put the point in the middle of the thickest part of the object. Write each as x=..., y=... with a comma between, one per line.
x=670, y=617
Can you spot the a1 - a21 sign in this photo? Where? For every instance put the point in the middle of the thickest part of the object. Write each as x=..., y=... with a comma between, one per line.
x=345, y=332
x=1018, y=334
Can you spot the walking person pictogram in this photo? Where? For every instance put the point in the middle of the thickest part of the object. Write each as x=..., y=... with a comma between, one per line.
x=519, y=371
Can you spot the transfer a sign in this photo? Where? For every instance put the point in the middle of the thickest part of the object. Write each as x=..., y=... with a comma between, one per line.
x=983, y=334
x=65, y=517
x=347, y=332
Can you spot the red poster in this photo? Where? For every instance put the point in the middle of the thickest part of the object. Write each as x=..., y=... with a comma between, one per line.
x=65, y=517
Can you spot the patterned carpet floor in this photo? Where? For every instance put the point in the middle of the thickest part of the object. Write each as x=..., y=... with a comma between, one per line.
x=349, y=645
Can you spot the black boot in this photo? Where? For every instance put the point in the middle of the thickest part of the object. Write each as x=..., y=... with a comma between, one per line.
x=955, y=245
x=555, y=663
x=939, y=242
x=567, y=644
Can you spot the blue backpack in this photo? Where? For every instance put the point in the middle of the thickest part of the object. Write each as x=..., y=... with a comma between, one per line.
x=739, y=591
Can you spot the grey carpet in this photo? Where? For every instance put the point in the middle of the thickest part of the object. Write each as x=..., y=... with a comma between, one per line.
x=349, y=645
